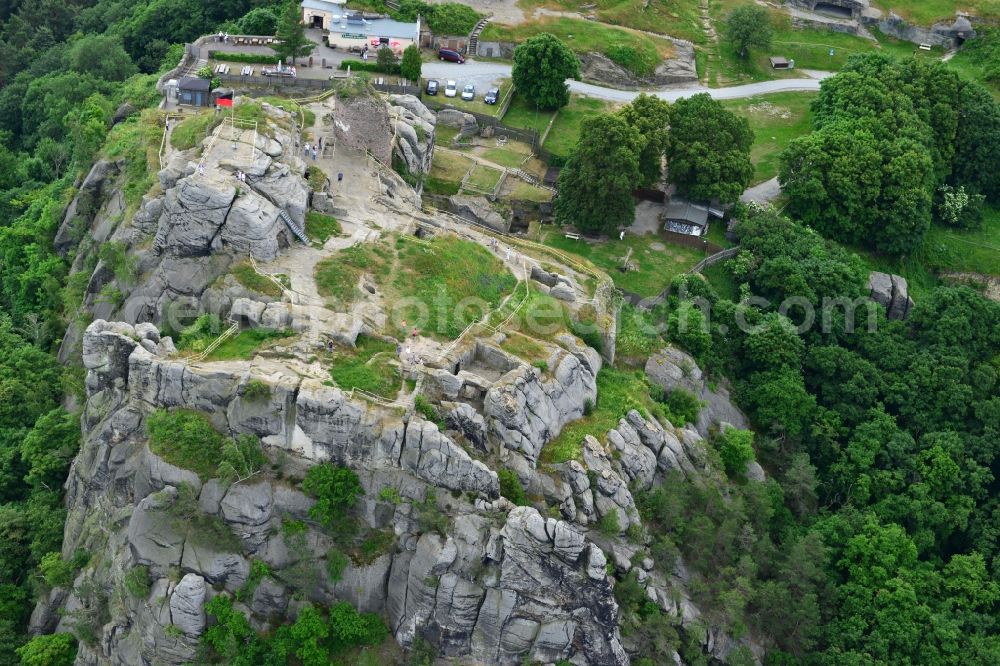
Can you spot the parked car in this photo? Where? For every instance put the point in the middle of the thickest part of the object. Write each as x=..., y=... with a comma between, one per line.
x=492, y=95
x=469, y=92
x=451, y=56
x=432, y=87
x=450, y=89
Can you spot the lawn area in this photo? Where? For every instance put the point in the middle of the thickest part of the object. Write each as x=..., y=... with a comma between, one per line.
x=637, y=52
x=320, y=227
x=440, y=286
x=249, y=278
x=246, y=344
x=927, y=12
x=722, y=280
x=974, y=251
x=367, y=367
x=677, y=19
x=775, y=119
x=511, y=155
x=522, y=113
x=566, y=128
x=515, y=188
x=191, y=131
x=618, y=391
x=447, y=171
x=484, y=178
x=655, y=267
x=524, y=347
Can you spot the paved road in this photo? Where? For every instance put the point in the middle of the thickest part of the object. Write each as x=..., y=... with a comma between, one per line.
x=485, y=73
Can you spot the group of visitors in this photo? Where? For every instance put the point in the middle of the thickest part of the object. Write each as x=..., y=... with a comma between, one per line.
x=222, y=37
x=310, y=149
x=241, y=176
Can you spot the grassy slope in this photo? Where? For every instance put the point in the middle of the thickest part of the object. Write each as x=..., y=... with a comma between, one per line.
x=927, y=12
x=776, y=120
x=566, y=128
x=367, y=367
x=676, y=18
x=580, y=35
x=655, y=267
x=434, y=277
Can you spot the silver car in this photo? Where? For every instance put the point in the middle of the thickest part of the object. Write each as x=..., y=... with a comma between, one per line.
x=469, y=92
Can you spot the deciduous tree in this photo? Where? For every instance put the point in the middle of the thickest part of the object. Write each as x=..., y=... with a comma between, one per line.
x=595, y=186
x=411, y=64
x=748, y=26
x=541, y=66
x=650, y=116
x=708, y=154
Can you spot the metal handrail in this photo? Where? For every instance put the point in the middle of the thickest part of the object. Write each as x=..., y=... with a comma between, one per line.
x=228, y=333
x=269, y=276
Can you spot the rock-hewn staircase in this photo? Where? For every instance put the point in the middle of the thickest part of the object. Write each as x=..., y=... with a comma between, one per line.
x=473, y=43
x=299, y=232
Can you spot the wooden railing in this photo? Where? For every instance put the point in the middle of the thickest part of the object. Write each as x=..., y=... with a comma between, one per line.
x=228, y=333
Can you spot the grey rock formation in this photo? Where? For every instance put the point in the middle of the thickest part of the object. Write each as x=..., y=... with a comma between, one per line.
x=84, y=206
x=186, y=605
x=525, y=409
x=891, y=292
x=598, y=68
x=413, y=134
x=478, y=210
x=465, y=122
x=672, y=369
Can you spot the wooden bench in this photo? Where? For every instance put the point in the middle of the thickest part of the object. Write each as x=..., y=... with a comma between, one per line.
x=573, y=236
x=924, y=47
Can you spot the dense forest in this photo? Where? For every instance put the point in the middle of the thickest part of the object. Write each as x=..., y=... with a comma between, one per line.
x=875, y=539
x=71, y=73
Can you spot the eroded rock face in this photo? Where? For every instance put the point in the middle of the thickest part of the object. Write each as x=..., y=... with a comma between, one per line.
x=672, y=369
x=527, y=408
x=534, y=588
x=891, y=292
x=681, y=68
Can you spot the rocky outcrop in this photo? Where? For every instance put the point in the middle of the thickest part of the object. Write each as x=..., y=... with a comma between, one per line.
x=465, y=123
x=413, y=134
x=672, y=369
x=891, y=292
x=81, y=211
x=478, y=210
x=598, y=68
x=527, y=408
x=545, y=594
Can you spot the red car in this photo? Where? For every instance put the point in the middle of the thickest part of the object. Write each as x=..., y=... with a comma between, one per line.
x=451, y=56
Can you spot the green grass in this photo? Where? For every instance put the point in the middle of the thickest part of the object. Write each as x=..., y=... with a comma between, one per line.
x=927, y=12
x=636, y=51
x=510, y=155
x=367, y=367
x=638, y=335
x=655, y=267
x=187, y=439
x=443, y=134
x=245, y=344
x=965, y=251
x=722, y=280
x=191, y=131
x=248, y=277
x=518, y=189
x=522, y=113
x=524, y=347
x=678, y=19
x=484, y=178
x=320, y=227
x=618, y=391
x=337, y=277
x=425, y=280
x=565, y=130
x=137, y=140
x=979, y=59
x=775, y=119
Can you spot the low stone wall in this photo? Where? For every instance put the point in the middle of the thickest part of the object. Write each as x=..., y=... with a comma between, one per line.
x=495, y=49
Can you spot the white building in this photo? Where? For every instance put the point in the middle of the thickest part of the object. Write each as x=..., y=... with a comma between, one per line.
x=322, y=13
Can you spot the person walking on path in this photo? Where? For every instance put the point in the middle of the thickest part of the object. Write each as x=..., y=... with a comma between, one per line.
x=307, y=150
x=314, y=153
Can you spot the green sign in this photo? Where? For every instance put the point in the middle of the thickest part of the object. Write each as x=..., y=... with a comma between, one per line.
x=353, y=35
